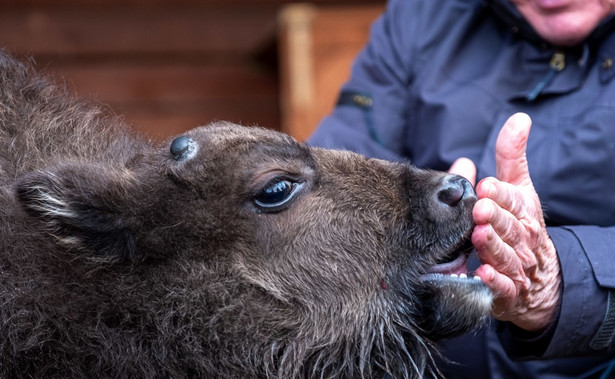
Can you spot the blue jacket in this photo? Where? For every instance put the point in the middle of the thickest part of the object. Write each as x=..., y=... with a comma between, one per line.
x=436, y=82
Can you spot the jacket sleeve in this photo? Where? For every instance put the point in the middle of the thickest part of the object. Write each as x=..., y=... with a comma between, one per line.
x=586, y=322
x=370, y=117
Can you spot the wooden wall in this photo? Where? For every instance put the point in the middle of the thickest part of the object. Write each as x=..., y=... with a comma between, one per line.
x=165, y=65
x=317, y=47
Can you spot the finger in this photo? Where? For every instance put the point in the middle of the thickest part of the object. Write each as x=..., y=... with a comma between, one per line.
x=500, y=285
x=510, y=159
x=505, y=224
x=505, y=195
x=464, y=167
x=492, y=250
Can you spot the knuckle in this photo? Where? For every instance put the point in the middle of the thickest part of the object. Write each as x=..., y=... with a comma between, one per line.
x=510, y=234
x=533, y=226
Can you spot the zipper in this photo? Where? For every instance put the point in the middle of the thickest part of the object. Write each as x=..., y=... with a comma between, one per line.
x=557, y=64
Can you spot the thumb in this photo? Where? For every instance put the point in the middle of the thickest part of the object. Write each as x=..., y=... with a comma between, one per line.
x=510, y=160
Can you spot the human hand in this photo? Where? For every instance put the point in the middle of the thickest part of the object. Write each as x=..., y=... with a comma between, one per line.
x=519, y=261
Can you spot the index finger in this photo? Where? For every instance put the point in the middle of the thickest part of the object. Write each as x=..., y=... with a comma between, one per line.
x=506, y=195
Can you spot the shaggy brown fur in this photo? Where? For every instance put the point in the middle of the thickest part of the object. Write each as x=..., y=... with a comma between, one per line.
x=227, y=252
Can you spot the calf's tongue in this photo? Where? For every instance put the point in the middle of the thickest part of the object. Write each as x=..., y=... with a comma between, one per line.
x=457, y=266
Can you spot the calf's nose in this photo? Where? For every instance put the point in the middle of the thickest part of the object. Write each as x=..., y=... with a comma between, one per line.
x=454, y=189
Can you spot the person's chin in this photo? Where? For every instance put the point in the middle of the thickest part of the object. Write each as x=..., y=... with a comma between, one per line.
x=564, y=31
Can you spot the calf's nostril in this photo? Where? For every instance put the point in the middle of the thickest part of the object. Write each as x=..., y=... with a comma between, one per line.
x=454, y=190
x=451, y=195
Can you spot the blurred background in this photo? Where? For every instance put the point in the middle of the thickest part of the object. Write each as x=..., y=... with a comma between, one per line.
x=170, y=65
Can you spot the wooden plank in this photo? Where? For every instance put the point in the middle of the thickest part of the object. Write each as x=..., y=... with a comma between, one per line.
x=161, y=122
x=61, y=3
x=317, y=47
x=163, y=100
x=132, y=30
x=166, y=69
x=333, y=57
x=174, y=82
x=350, y=24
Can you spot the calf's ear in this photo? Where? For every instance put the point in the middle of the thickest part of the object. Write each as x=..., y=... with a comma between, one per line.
x=83, y=207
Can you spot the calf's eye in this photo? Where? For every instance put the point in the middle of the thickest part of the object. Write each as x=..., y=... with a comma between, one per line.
x=276, y=194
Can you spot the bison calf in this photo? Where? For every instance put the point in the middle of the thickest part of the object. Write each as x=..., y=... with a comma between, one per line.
x=225, y=252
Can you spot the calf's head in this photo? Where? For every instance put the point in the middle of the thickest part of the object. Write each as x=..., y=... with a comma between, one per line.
x=274, y=257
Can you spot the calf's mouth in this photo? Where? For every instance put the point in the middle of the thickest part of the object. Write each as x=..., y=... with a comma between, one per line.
x=453, y=301
x=454, y=264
